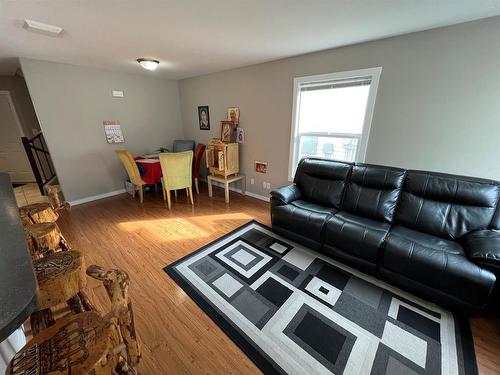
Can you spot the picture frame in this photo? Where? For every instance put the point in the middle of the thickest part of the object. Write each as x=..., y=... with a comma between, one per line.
x=227, y=131
x=260, y=166
x=240, y=135
x=233, y=114
x=204, y=117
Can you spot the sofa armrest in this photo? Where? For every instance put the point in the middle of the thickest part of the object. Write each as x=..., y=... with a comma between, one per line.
x=286, y=194
x=483, y=247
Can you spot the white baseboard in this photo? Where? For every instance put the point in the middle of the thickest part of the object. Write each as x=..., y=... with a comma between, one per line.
x=250, y=194
x=96, y=197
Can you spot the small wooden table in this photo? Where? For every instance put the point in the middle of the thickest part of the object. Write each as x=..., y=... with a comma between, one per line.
x=226, y=182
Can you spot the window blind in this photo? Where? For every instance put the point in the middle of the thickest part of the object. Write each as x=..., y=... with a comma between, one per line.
x=335, y=84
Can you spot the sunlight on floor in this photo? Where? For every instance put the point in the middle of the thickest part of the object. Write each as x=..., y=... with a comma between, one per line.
x=183, y=228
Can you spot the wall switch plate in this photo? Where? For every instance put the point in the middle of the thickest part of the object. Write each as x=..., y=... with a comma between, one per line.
x=264, y=184
x=252, y=181
x=268, y=185
x=117, y=94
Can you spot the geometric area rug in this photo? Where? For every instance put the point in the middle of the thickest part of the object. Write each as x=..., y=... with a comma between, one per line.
x=296, y=311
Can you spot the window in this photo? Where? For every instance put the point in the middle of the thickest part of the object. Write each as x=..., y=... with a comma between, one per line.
x=332, y=115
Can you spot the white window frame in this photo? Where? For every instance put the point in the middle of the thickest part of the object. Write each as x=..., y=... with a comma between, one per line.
x=373, y=74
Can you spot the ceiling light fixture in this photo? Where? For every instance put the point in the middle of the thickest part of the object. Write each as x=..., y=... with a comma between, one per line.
x=148, y=64
x=43, y=28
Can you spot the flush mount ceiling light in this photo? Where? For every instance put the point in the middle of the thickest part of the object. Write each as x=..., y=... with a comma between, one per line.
x=148, y=64
x=42, y=28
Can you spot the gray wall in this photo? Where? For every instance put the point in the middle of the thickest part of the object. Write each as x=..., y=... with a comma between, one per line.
x=72, y=101
x=437, y=108
x=22, y=101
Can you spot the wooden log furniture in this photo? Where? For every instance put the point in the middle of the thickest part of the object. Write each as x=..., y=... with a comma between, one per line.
x=86, y=343
x=37, y=213
x=56, y=199
x=61, y=279
x=44, y=239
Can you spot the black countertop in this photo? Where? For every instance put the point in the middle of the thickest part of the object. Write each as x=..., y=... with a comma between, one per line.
x=17, y=280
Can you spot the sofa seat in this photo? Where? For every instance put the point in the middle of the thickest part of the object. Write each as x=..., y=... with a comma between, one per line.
x=416, y=261
x=302, y=221
x=355, y=239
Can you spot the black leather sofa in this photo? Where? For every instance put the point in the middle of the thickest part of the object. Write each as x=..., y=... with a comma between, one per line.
x=430, y=233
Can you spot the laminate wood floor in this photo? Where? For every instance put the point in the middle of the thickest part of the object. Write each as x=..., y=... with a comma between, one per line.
x=176, y=336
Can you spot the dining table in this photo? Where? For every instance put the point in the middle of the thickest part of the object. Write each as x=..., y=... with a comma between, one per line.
x=149, y=168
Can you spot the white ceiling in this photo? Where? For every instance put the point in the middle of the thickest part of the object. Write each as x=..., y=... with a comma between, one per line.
x=194, y=37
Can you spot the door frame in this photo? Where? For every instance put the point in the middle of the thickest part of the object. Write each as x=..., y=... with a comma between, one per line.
x=14, y=111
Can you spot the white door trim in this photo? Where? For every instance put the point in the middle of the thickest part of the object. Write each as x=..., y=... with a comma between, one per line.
x=14, y=112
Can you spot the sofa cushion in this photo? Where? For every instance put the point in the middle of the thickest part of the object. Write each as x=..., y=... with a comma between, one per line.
x=426, y=240
x=445, y=205
x=483, y=248
x=322, y=181
x=437, y=263
x=313, y=207
x=373, y=191
x=302, y=218
x=359, y=236
x=286, y=194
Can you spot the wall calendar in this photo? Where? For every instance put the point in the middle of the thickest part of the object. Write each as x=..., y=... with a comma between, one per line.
x=113, y=131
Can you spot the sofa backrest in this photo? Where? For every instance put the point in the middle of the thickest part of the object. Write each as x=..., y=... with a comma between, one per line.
x=445, y=205
x=495, y=223
x=322, y=181
x=373, y=191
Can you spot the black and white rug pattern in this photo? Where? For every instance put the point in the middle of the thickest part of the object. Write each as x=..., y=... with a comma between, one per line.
x=296, y=311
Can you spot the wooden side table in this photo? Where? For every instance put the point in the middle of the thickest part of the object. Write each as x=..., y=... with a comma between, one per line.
x=226, y=182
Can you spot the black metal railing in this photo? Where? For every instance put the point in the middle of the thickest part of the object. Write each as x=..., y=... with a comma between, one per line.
x=39, y=158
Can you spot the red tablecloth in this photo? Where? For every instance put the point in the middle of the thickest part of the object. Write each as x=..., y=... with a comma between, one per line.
x=150, y=170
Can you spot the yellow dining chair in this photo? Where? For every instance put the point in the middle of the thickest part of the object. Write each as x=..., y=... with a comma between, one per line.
x=132, y=170
x=177, y=173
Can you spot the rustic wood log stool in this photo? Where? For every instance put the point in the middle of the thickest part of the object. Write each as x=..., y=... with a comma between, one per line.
x=86, y=343
x=55, y=197
x=44, y=239
x=61, y=279
x=77, y=344
x=38, y=213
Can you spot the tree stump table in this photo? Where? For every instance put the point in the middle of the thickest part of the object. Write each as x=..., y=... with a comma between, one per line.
x=38, y=213
x=77, y=344
x=44, y=239
x=60, y=277
x=54, y=195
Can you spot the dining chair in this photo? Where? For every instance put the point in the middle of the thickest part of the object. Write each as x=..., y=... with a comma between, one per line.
x=132, y=170
x=198, y=154
x=176, y=168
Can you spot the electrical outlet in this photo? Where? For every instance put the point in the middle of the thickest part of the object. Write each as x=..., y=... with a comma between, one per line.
x=252, y=181
x=264, y=184
x=268, y=185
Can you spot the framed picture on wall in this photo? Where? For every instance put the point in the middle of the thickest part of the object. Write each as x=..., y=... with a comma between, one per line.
x=226, y=131
x=233, y=114
x=260, y=166
x=204, y=117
